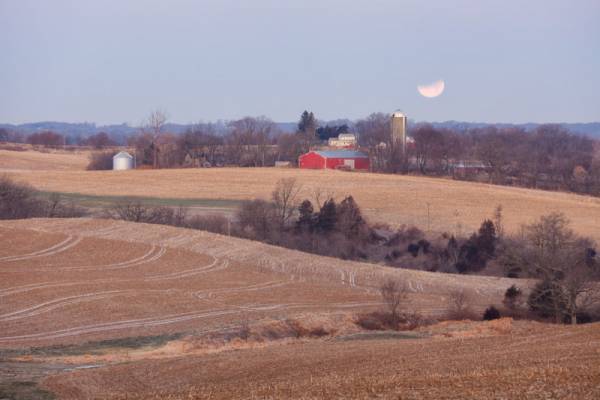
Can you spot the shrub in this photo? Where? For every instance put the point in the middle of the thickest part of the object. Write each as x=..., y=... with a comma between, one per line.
x=257, y=219
x=19, y=201
x=380, y=321
x=459, y=306
x=135, y=211
x=491, y=313
x=215, y=223
x=376, y=321
x=513, y=298
x=413, y=249
x=424, y=245
x=101, y=160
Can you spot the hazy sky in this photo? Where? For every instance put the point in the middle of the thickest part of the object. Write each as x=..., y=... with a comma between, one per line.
x=114, y=61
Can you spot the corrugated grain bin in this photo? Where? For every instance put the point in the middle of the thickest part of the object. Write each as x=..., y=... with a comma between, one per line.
x=122, y=161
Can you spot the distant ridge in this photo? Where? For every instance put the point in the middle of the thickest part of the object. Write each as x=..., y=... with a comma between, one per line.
x=589, y=128
x=121, y=130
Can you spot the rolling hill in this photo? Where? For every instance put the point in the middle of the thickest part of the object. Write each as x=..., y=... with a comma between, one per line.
x=111, y=309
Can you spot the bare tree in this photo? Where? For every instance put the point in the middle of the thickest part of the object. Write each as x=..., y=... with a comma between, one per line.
x=498, y=221
x=393, y=293
x=154, y=126
x=321, y=195
x=284, y=198
x=136, y=211
x=561, y=260
x=459, y=305
x=250, y=138
x=200, y=142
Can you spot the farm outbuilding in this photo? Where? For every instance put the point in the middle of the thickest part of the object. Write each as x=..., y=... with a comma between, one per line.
x=123, y=161
x=334, y=159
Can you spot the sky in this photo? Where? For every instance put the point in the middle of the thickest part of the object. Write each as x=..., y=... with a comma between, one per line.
x=115, y=61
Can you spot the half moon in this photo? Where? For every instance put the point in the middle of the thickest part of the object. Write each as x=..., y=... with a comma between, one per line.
x=433, y=89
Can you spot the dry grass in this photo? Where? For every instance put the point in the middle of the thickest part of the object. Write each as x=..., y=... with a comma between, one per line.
x=454, y=206
x=50, y=159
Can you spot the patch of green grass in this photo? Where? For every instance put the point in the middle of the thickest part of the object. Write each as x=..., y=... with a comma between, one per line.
x=24, y=391
x=96, y=201
x=95, y=347
x=383, y=335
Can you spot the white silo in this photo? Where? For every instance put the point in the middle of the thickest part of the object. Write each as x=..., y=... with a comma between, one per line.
x=122, y=161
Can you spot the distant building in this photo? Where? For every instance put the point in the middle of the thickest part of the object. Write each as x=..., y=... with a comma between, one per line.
x=283, y=164
x=468, y=167
x=344, y=140
x=399, y=128
x=334, y=159
x=123, y=161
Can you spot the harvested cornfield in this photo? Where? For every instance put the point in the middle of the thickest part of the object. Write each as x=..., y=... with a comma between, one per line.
x=87, y=279
x=439, y=205
x=517, y=361
x=49, y=159
x=111, y=309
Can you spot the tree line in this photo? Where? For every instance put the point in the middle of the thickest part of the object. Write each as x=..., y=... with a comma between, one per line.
x=549, y=157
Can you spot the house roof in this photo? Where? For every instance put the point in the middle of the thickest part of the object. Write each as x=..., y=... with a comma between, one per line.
x=341, y=154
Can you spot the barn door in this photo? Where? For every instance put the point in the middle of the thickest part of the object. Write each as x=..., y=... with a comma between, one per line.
x=349, y=163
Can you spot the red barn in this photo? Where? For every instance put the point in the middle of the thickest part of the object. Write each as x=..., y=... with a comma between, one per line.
x=334, y=159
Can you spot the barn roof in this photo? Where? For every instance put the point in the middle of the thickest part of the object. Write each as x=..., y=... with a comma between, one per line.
x=341, y=154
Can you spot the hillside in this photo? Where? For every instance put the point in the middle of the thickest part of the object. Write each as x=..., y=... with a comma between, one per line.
x=54, y=160
x=65, y=267
x=111, y=309
x=440, y=204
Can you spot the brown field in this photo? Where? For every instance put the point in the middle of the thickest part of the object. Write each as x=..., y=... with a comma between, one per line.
x=454, y=206
x=66, y=283
x=525, y=362
x=57, y=160
x=96, y=273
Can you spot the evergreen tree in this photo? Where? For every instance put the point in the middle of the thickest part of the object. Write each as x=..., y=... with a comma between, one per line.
x=308, y=123
x=486, y=238
x=349, y=218
x=306, y=216
x=327, y=217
